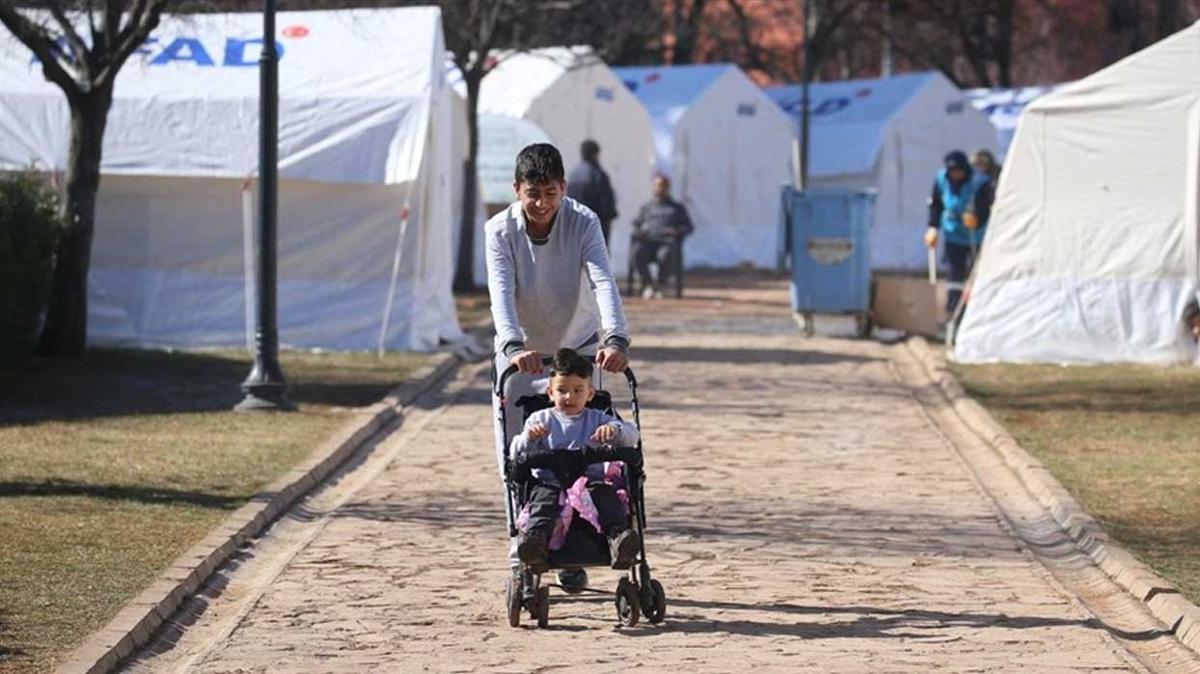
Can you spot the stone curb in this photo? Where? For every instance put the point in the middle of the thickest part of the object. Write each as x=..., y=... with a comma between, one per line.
x=1161, y=598
x=137, y=621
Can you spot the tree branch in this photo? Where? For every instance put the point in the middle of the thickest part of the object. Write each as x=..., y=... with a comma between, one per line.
x=139, y=29
x=42, y=45
x=78, y=46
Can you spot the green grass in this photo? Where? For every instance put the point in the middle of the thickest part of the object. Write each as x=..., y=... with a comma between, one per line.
x=113, y=465
x=1124, y=440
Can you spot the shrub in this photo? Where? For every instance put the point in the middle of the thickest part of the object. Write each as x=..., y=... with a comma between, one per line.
x=29, y=232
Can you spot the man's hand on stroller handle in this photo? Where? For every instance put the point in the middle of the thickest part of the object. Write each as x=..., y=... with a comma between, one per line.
x=609, y=358
x=527, y=362
x=612, y=359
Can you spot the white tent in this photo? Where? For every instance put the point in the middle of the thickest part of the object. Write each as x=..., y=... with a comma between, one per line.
x=364, y=136
x=1003, y=108
x=727, y=149
x=890, y=135
x=566, y=95
x=1091, y=254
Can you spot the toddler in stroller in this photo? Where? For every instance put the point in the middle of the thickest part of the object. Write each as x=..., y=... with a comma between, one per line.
x=574, y=477
x=550, y=504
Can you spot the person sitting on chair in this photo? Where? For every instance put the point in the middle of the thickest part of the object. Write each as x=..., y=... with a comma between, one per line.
x=659, y=225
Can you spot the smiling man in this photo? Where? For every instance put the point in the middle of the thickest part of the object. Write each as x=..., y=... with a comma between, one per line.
x=540, y=250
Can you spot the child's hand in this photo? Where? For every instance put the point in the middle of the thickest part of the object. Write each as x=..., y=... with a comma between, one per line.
x=605, y=433
x=537, y=431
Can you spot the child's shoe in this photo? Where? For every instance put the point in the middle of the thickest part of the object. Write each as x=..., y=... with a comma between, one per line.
x=624, y=548
x=532, y=551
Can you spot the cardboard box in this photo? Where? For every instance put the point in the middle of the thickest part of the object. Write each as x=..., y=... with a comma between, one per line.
x=908, y=302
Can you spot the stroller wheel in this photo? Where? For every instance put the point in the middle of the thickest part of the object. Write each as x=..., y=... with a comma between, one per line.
x=654, y=602
x=628, y=605
x=513, y=599
x=541, y=608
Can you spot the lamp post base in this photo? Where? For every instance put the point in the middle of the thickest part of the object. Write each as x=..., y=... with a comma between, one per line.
x=266, y=390
x=261, y=403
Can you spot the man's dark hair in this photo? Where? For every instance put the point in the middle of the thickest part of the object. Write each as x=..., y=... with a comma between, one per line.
x=567, y=361
x=589, y=149
x=539, y=163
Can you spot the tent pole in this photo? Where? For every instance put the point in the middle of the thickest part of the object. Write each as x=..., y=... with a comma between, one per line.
x=265, y=387
x=387, y=306
x=248, y=259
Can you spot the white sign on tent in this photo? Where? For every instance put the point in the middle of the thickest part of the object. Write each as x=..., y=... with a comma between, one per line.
x=364, y=130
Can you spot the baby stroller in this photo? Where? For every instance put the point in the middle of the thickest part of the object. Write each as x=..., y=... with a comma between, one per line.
x=636, y=593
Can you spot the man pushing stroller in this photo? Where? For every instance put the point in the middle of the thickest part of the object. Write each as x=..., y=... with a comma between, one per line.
x=538, y=251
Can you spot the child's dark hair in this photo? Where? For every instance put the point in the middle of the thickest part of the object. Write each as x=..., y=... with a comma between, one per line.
x=539, y=163
x=567, y=361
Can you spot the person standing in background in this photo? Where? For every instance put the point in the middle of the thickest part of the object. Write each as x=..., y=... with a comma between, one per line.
x=983, y=161
x=589, y=185
x=959, y=208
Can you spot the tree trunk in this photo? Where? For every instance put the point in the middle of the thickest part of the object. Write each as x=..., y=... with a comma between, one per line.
x=65, y=331
x=1004, y=43
x=464, y=274
x=686, y=29
x=1170, y=18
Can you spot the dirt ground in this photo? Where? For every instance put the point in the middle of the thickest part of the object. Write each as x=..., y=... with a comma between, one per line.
x=809, y=510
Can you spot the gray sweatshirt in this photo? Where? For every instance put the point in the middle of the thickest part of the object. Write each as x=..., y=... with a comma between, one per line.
x=539, y=298
x=572, y=432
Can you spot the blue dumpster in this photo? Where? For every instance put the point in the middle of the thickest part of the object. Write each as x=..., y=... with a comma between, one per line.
x=831, y=263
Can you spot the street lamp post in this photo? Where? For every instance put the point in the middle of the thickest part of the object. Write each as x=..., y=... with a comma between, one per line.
x=805, y=98
x=265, y=387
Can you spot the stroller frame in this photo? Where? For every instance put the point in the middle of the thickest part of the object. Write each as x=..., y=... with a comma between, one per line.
x=637, y=592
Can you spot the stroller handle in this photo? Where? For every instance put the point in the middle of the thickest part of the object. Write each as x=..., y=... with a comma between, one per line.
x=512, y=370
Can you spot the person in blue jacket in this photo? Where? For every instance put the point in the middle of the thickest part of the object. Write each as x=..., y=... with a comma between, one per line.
x=959, y=209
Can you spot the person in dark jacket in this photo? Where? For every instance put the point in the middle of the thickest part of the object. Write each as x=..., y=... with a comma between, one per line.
x=959, y=208
x=589, y=185
x=658, y=225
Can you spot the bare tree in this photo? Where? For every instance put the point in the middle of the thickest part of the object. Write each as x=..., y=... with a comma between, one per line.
x=686, y=22
x=82, y=45
x=475, y=29
x=1125, y=28
x=971, y=41
x=622, y=32
x=1170, y=18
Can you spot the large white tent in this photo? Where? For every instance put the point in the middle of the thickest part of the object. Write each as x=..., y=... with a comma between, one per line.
x=890, y=135
x=566, y=95
x=364, y=138
x=1003, y=107
x=727, y=149
x=1091, y=255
